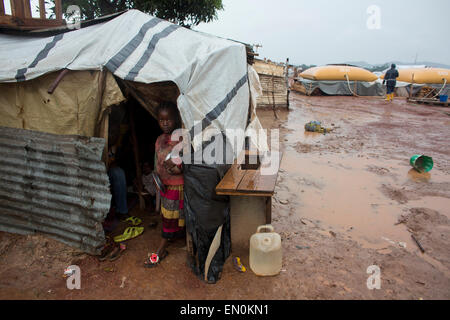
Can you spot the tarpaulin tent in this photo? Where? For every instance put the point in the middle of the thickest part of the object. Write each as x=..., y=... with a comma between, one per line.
x=345, y=88
x=416, y=78
x=212, y=91
x=339, y=80
x=210, y=72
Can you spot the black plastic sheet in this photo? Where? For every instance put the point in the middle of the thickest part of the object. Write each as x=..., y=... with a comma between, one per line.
x=205, y=213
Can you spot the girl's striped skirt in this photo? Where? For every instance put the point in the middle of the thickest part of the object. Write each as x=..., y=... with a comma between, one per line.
x=172, y=212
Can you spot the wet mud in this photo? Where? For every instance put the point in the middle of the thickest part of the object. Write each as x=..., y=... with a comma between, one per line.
x=344, y=201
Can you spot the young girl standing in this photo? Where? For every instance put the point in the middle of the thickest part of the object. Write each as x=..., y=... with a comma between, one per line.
x=171, y=176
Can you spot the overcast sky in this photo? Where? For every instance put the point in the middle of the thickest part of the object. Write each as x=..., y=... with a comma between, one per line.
x=336, y=31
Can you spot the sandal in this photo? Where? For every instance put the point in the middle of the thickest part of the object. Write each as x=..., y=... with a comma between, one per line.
x=134, y=221
x=129, y=233
x=106, y=251
x=117, y=252
x=154, y=259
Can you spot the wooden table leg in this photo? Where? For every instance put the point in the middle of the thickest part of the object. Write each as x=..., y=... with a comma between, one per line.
x=268, y=210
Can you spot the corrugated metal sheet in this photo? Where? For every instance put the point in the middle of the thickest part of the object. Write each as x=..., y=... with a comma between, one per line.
x=55, y=185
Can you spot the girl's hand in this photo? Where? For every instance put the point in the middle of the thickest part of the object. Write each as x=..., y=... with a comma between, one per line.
x=169, y=164
x=175, y=170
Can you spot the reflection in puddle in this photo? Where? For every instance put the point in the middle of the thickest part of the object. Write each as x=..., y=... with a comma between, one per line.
x=416, y=176
x=343, y=194
x=346, y=195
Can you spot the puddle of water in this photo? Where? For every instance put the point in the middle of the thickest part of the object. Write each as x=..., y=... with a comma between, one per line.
x=342, y=194
x=345, y=195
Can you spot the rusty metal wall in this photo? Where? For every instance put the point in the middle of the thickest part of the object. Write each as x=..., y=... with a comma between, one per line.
x=55, y=185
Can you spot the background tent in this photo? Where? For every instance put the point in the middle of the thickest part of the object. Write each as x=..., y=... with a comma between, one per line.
x=339, y=80
x=423, y=81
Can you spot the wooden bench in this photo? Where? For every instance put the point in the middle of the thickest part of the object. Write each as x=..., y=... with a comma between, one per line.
x=250, y=194
x=428, y=101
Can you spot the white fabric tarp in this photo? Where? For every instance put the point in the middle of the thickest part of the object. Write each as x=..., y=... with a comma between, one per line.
x=210, y=72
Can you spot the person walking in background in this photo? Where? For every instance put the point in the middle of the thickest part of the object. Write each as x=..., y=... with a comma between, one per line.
x=390, y=78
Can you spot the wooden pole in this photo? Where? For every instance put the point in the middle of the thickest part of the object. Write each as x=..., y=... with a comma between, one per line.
x=58, y=10
x=273, y=97
x=2, y=8
x=135, y=95
x=17, y=9
x=59, y=78
x=42, y=9
x=26, y=8
x=104, y=130
x=104, y=125
x=136, y=159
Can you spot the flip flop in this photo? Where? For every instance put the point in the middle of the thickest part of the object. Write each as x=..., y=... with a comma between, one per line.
x=129, y=233
x=135, y=221
x=115, y=254
x=106, y=252
x=154, y=259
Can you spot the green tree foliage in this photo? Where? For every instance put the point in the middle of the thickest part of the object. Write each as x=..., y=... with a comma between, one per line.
x=183, y=12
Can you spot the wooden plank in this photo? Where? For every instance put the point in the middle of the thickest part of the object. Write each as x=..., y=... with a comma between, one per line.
x=254, y=182
x=238, y=193
x=247, y=182
x=427, y=101
x=17, y=9
x=28, y=24
x=58, y=10
x=104, y=127
x=26, y=8
x=42, y=9
x=231, y=180
x=269, y=210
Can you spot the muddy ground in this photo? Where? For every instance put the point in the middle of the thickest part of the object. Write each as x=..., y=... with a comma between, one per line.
x=344, y=201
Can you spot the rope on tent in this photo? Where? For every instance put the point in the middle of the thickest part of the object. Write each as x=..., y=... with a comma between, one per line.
x=308, y=92
x=443, y=86
x=348, y=83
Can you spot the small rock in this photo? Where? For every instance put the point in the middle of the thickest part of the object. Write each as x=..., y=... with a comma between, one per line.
x=123, y=282
x=333, y=234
